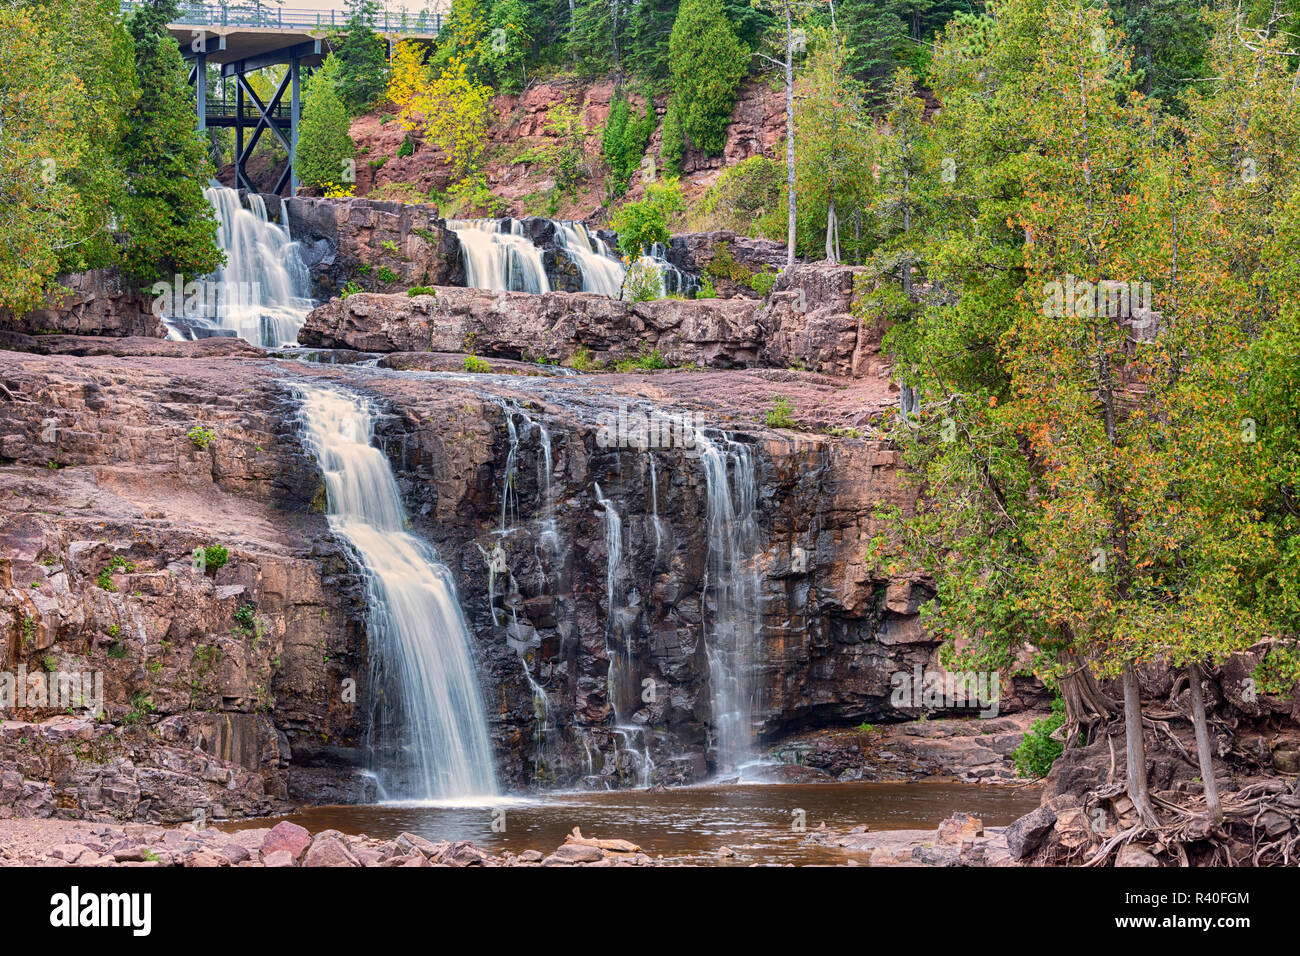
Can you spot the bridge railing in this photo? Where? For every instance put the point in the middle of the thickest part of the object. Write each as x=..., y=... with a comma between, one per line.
x=273, y=16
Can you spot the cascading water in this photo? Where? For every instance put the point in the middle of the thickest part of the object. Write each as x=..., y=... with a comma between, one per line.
x=428, y=728
x=499, y=256
x=617, y=642
x=733, y=584
x=262, y=292
x=601, y=272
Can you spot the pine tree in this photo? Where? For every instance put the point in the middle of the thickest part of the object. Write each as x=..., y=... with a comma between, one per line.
x=324, y=146
x=707, y=64
x=170, y=225
x=362, y=59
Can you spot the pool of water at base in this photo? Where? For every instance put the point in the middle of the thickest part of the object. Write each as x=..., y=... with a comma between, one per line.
x=687, y=824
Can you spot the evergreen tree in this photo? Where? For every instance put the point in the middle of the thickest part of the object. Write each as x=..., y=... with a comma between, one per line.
x=672, y=148
x=362, y=59
x=624, y=139
x=324, y=146
x=707, y=64
x=876, y=35
x=170, y=226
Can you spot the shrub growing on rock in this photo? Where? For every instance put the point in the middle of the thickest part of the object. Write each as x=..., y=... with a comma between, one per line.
x=1038, y=751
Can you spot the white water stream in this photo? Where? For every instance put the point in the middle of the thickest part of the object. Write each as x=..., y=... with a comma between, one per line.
x=428, y=728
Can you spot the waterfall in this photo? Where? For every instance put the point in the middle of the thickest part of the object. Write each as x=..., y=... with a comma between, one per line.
x=601, y=272
x=733, y=583
x=428, y=728
x=262, y=292
x=499, y=256
x=620, y=677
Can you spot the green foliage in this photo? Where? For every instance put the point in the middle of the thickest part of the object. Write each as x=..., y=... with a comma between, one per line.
x=640, y=224
x=1038, y=751
x=141, y=707
x=505, y=55
x=707, y=63
x=116, y=565
x=362, y=58
x=833, y=150
x=201, y=436
x=169, y=225
x=625, y=139
x=877, y=36
x=386, y=275
x=672, y=148
x=706, y=289
x=67, y=82
x=473, y=363
x=642, y=282
x=415, y=290
x=565, y=150
x=215, y=557
x=324, y=145
x=1278, y=670
x=748, y=199
x=762, y=282
x=350, y=288
x=582, y=360
x=647, y=361
x=407, y=148
x=781, y=414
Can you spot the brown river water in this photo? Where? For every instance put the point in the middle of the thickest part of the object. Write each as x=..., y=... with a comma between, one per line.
x=688, y=824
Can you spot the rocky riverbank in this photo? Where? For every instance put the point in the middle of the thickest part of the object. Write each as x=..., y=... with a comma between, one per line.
x=58, y=843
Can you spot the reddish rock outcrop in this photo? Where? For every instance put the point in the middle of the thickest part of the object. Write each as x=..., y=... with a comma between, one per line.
x=219, y=683
x=378, y=245
x=808, y=322
x=99, y=302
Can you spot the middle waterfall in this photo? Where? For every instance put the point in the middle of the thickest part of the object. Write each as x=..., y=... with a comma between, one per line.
x=428, y=727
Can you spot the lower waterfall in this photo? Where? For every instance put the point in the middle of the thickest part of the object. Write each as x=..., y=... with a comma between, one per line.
x=732, y=582
x=428, y=736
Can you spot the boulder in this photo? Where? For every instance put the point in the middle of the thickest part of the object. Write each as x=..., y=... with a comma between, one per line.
x=288, y=837
x=1025, y=835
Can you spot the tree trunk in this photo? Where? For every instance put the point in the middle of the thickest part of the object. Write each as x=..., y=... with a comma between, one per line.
x=1086, y=704
x=1135, y=748
x=1212, y=803
x=832, y=227
x=573, y=13
x=789, y=134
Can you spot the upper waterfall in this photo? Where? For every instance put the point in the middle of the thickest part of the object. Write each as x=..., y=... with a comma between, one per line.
x=499, y=256
x=262, y=292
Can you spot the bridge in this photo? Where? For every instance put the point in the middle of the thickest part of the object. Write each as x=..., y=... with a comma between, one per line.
x=252, y=35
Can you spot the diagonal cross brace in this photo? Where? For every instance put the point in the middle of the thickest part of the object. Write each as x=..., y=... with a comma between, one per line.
x=264, y=120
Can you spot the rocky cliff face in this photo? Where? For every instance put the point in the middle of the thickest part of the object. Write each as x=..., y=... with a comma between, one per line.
x=808, y=322
x=226, y=685
x=381, y=246
x=99, y=302
x=521, y=182
x=220, y=682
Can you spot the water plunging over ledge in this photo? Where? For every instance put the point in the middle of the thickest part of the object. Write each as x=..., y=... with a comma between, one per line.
x=427, y=734
x=498, y=256
x=732, y=641
x=262, y=292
